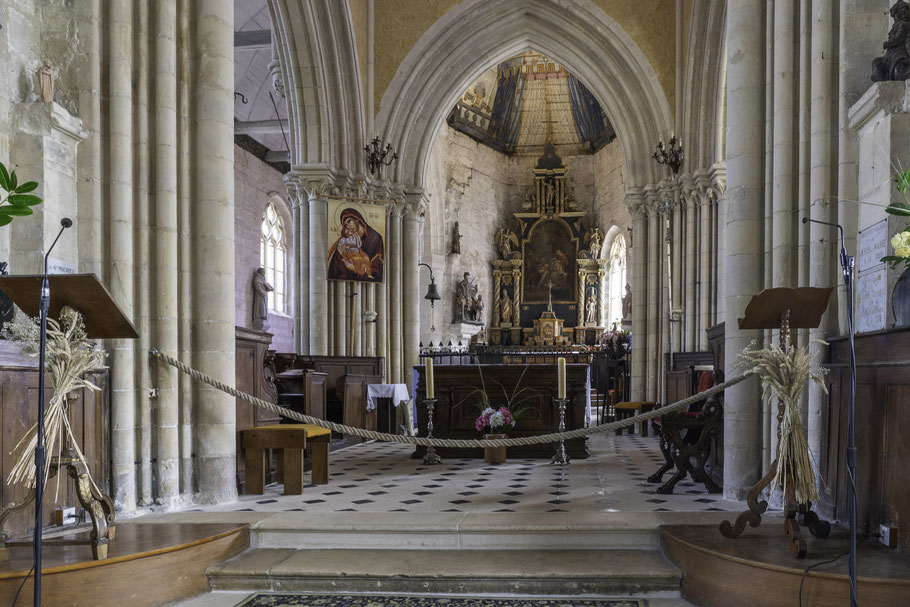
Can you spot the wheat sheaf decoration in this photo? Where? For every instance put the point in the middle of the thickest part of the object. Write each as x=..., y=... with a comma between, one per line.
x=69, y=356
x=786, y=374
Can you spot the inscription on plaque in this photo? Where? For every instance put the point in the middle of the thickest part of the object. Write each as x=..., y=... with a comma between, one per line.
x=873, y=245
x=871, y=297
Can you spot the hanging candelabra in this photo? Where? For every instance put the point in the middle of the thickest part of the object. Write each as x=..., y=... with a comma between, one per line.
x=378, y=156
x=671, y=154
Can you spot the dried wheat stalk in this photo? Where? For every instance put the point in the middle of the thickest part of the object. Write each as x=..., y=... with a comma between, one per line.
x=69, y=356
x=786, y=374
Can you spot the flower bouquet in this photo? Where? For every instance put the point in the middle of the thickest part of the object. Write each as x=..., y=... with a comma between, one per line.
x=616, y=342
x=900, y=242
x=495, y=421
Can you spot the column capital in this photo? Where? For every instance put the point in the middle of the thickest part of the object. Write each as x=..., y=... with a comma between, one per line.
x=416, y=204
x=634, y=200
x=317, y=181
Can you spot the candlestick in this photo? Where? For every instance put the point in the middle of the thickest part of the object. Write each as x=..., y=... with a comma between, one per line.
x=561, y=377
x=431, y=457
x=431, y=391
x=561, y=457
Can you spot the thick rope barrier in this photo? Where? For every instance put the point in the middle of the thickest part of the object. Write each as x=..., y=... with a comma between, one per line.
x=445, y=442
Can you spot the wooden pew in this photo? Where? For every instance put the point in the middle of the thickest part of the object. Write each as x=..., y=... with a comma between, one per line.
x=292, y=439
x=352, y=390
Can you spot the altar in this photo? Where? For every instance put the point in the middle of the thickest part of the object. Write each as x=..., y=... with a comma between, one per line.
x=534, y=388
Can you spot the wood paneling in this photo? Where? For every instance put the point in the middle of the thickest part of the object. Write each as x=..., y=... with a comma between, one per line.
x=88, y=414
x=457, y=405
x=882, y=437
x=251, y=348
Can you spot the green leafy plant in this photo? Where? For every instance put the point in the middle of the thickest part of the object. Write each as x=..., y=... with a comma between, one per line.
x=900, y=241
x=512, y=400
x=17, y=201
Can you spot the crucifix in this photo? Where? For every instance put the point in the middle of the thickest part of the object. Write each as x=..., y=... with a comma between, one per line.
x=550, y=296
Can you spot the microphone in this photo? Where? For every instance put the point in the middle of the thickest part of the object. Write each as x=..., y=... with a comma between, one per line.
x=66, y=222
x=846, y=261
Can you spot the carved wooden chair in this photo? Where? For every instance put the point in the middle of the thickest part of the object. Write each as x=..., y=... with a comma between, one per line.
x=686, y=439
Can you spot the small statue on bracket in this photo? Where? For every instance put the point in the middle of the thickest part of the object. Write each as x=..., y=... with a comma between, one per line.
x=261, y=289
x=456, y=240
x=46, y=81
x=895, y=63
x=506, y=239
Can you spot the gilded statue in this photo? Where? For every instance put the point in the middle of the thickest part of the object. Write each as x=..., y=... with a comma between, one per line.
x=506, y=312
x=894, y=64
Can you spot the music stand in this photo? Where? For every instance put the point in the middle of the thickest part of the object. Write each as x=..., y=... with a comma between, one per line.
x=782, y=308
x=103, y=319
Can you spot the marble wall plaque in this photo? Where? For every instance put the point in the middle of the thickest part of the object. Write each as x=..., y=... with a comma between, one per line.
x=871, y=300
x=872, y=246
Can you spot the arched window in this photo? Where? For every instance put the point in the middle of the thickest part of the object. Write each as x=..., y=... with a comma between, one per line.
x=272, y=256
x=617, y=280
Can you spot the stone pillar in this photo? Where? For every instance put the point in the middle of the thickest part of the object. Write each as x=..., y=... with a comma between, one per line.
x=358, y=295
x=655, y=279
x=783, y=169
x=639, y=247
x=340, y=316
x=412, y=223
x=690, y=281
x=383, y=310
x=395, y=293
x=821, y=238
x=166, y=272
x=743, y=234
x=120, y=280
x=319, y=288
x=705, y=273
x=300, y=210
x=213, y=201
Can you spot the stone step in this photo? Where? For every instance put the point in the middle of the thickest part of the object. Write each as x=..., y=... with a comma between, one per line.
x=526, y=572
x=457, y=531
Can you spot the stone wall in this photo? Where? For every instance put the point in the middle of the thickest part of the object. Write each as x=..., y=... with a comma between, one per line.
x=480, y=189
x=255, y=184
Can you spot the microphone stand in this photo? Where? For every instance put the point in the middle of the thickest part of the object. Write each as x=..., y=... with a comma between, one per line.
x=41, y=443
x=847, y=263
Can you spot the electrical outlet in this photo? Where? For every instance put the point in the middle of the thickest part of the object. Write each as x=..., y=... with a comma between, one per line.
x=888, y=535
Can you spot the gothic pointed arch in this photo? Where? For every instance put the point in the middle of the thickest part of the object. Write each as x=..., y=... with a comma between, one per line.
x=477, y=33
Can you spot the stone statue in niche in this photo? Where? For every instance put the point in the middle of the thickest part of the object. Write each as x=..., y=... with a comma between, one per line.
x=594, y=239
x=468, y=301
x=895, y=63
x=549, y=194
x=506, y=308
x=627, y=303
x=506, y=240
x=591, y=307
x=456, y=240
x=261, y=289
x=46, y=81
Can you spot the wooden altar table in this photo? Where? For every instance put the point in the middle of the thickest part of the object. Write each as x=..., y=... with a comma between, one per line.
x=458, y=405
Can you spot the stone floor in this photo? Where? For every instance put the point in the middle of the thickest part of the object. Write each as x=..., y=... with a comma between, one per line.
x=382, y=477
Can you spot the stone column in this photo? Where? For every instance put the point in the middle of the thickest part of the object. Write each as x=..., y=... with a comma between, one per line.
x=340, y=316
x=639, y=282
x=410, y=254
x=358, y=295
x=395, y=294
x=784, y=112
x=213, y=201
x=300, y=210
x=316, y=184
x=743, y=234
x=821, y=238
x=691, y=275
x=166, y=242
x=120, y=280
x=655, y=279
x=383, y=310
x=705, y=273
x=603, y=300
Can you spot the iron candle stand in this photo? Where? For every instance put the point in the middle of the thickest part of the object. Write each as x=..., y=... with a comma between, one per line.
x=430, y=457
x=560, y=457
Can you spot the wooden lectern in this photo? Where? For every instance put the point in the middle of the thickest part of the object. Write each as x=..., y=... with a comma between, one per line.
x=103, y=319
x=784, y=309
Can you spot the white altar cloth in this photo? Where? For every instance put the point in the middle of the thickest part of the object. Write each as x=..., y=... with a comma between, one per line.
x=397, y=392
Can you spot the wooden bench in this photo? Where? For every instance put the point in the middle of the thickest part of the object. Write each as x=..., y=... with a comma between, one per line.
x=630, y=409
x=292, y=439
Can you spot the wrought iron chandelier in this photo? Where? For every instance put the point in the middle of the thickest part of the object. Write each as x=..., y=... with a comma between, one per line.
x=378, y=156
x=671, y=155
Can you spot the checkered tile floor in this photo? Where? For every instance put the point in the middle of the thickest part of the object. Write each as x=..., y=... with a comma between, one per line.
x=382, y=477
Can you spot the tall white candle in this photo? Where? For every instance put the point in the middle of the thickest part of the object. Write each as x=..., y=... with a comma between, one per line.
x=431, y=392
x=561, y=375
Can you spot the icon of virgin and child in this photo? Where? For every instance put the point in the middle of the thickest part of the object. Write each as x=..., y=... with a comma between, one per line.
x=357, y=254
